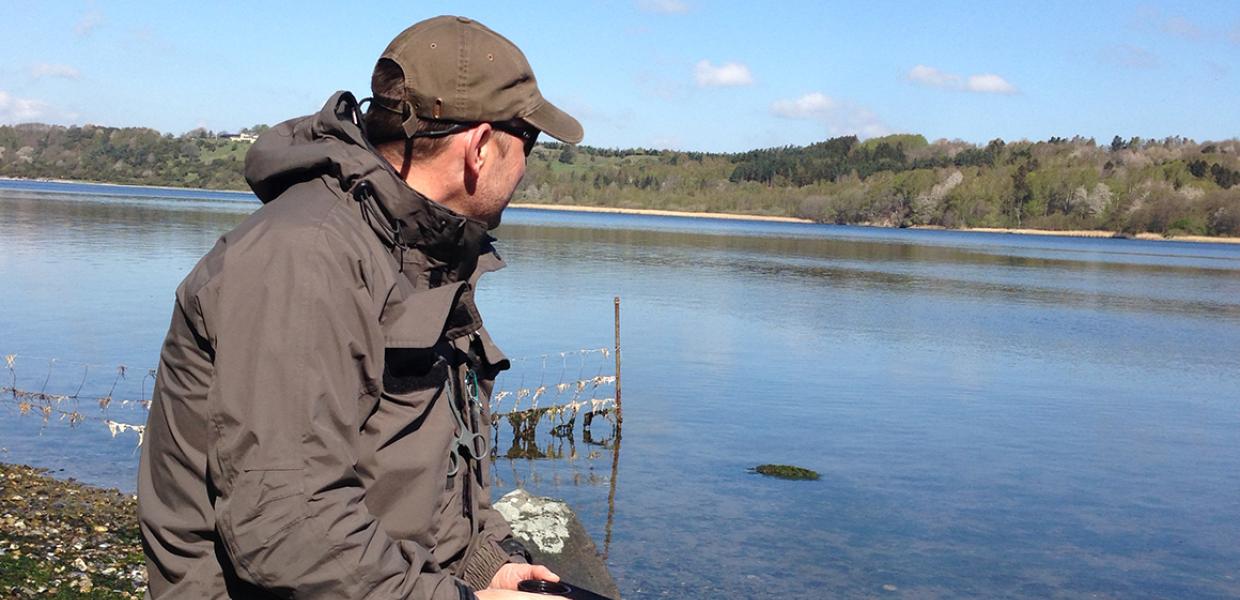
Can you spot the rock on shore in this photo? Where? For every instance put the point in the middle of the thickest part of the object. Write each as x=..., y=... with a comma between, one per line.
x=555, y=537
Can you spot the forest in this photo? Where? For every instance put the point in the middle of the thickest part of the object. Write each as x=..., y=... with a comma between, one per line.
x=1170, y=186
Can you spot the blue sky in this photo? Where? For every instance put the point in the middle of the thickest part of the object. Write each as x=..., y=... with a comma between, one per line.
x=685, y=74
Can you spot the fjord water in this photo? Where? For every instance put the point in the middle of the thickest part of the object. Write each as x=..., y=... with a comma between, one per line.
x=992, y=415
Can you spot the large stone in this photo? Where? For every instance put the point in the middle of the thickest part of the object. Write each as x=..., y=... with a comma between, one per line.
x=555, y=537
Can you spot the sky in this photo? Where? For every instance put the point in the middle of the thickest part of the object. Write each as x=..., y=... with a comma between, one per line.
x=681, y=74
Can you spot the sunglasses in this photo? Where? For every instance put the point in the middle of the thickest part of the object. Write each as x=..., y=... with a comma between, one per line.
x=517, y=127
x=528, y=135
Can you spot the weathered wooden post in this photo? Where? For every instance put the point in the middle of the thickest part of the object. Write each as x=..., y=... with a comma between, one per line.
x=619, y=410
x=615, y=450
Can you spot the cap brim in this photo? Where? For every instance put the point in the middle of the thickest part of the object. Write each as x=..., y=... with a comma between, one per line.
x=555, y=123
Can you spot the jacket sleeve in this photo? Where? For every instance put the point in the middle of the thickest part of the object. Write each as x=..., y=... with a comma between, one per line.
x=294, y=333
x=494, y=546
x=492, y=524
x=496, y=528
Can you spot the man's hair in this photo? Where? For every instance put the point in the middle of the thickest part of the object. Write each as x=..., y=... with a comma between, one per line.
x=385, y=116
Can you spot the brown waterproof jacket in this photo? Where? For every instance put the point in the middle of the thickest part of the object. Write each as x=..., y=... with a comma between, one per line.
x=322, y=375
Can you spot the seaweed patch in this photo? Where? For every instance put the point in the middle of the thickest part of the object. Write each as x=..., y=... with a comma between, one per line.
x=785, y=472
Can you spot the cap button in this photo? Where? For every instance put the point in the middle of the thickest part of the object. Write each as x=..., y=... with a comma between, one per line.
x=463, y=19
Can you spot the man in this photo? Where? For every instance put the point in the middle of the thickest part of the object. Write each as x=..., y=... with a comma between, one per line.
x=319, y=423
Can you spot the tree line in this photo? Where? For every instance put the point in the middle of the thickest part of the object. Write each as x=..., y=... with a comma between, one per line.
x=1171, y=186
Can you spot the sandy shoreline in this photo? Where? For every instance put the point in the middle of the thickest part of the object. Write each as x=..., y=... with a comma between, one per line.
x=1084, y=233
x=660, y=213
x=1095, y=233
x=1088, y=233
x=128, y=185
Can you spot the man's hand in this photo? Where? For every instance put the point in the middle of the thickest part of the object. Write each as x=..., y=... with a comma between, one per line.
x=509, y=575
x=489, y=594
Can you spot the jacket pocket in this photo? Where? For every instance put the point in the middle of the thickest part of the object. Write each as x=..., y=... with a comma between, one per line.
x=420, y=319
x=271, y=535
x=415, y=325
x=264, y=505
x=412, y=378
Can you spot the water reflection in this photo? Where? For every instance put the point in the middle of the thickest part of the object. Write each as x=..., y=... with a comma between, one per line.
x=599, y=430
x=1073, y=276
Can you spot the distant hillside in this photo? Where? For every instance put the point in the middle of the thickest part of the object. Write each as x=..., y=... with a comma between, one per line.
x=1172, y=186
x=1169, y=186
x=132, y=155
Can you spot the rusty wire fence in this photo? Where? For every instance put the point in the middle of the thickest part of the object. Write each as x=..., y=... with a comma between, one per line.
x=78, y=394
x=556, y=418
x=550, y=407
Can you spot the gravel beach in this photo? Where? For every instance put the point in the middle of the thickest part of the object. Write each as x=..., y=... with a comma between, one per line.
x=64, y=539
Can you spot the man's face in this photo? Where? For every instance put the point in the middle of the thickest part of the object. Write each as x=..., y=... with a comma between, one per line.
x=499, y=181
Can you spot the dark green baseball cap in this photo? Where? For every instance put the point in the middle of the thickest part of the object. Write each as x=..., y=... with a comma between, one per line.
x=457, y=69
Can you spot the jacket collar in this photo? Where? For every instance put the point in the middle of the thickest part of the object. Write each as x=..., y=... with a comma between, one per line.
x=332, y=142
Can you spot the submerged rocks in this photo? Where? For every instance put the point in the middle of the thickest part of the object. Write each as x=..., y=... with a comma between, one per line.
x=785, y=472
x=555, y=537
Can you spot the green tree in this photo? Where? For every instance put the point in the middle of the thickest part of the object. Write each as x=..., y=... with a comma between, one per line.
x=1021, y=192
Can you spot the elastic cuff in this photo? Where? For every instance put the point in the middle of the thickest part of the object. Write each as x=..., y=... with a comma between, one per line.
x=483, y=564
x=466, y=593
x=517, y=552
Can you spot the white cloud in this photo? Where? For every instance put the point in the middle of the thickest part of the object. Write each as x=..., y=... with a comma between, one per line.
x=88, y=23
x=840, y=118
x=984, y=83
x=44, y=70
x=933, y=77
x=725, y=75
x=666, y=7
x=19, y=110
x=989, y=83
x=810, y=106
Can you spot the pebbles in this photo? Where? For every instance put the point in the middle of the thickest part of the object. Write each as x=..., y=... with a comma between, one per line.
x=63, y=539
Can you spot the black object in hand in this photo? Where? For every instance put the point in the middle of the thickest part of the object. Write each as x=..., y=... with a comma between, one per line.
x=551, y=588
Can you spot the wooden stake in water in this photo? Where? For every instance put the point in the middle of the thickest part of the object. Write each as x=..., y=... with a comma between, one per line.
x=615, y=450
x=619, y=410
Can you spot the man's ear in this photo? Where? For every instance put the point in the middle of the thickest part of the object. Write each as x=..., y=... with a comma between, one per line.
x=477, y=151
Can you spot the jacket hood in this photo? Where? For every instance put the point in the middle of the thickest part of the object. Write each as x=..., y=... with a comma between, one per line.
x=332, y=143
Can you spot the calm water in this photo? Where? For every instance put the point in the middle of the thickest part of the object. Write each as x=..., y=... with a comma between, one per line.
x=992, y=415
